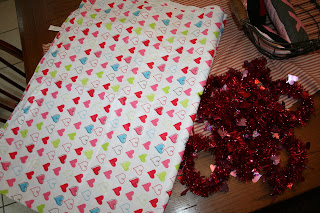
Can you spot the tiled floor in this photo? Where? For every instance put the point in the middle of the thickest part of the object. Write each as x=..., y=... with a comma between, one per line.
x=9, y=32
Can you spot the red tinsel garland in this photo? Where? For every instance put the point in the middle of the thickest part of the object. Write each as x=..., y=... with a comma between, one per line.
x=249, y=129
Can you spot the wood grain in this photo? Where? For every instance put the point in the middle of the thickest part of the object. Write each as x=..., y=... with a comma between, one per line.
x=34, y=19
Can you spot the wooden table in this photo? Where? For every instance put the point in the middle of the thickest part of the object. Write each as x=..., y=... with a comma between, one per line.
x=34, y=19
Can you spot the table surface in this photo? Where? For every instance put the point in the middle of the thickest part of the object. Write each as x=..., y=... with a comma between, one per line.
x=34, y=19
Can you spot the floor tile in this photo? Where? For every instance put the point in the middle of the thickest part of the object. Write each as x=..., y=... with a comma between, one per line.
x=18, y=208
x=8, y=17
x=13, y=38
x=7, y=201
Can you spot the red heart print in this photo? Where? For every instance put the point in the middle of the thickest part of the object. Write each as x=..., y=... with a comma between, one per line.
x=123, y=100
x=94, y=117
x=63, y=158
x=119, y=58
x=102, y=45
x=197, y=60
x=159, y=110
x=134, y=182
x=193, y=41
x=113, y=162
x=169, y=14
x=107, y=108
x=106, y=86
x=131, y=50
x=129, y=29
x=211, y=52
x=64, y=187
x=30, y=148
x=111, y=4
x=91, y=92
x=160, y=38
x=154, y=202
x=79, y=150
x=165, y=58
x=99, y=24
x=150, y=65
x=13, y=155
x=44, y=91
x=96, y=169
x=29, y=203
x=60, y=107
x=143, y=118
x=46, y=166
x=99, y=199
x=15, y=130
x=85, y=31
x=193, y=117
x=163, y=136
x=76, y=100
x=45, y=72
x=88, y=51
x=59, y=83
x=146, y=42
x=31, y=99
x=152, y=173
x=185, y=70
x=30, y=174
x=126, y=126
x=138, y=94
x=180, y=50
x=79, y=178
x=175, y=101
x=117, y=190
x=116, y=37
x=177, y=125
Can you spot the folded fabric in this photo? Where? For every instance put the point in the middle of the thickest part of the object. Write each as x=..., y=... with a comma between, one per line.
x=103, y=123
